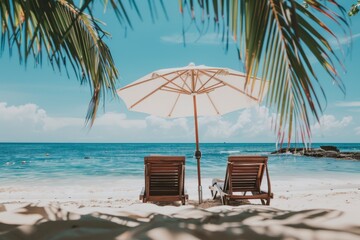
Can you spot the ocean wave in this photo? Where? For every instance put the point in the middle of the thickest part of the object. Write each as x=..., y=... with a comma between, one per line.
x=229, y=152
x=262, y=153
x=67, y=161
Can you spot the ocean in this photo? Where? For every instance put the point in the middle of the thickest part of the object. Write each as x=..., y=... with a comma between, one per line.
x=39, y=163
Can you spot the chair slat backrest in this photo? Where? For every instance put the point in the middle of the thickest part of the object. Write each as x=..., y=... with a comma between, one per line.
x=244, y=173
x=164, y=175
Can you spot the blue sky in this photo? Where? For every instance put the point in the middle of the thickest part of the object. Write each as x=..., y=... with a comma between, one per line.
x=40, y=105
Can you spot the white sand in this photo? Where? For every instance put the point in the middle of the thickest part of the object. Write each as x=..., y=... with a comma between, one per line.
x=323, y=208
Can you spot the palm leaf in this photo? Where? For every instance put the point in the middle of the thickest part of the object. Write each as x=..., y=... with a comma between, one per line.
x=354, y=9
x=276, y=40
x=66, y=35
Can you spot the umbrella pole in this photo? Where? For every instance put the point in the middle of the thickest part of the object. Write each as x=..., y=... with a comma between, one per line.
x=197, y=152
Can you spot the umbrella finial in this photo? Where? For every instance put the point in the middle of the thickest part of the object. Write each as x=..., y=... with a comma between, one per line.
x=191, y=64
x=155, y=75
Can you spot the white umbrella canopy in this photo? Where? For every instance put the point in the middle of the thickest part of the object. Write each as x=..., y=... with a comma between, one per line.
x=169, y=92
x=192, y=91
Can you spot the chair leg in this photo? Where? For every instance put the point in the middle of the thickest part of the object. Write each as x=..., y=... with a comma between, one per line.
x=262, y=201
x=268, y=201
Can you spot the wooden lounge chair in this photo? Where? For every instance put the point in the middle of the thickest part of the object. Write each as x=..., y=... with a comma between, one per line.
x=164, y=179
x=243, y=175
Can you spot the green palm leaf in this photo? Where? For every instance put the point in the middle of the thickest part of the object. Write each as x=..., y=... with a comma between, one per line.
x=276, y=40
x=66, y=35
x=354, y=8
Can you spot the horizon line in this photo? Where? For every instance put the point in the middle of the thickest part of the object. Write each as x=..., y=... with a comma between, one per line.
x=181, y=142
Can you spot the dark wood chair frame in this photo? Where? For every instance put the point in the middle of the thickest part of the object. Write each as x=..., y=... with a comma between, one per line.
x=243, y=174
x=164, y=179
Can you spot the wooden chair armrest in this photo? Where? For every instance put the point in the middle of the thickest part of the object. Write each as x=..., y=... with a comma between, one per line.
x=271, y=194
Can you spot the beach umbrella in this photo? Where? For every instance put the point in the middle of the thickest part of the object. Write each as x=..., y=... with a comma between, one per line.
x=192, y=91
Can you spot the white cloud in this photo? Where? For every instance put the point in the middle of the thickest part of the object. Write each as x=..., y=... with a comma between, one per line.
x=261, y=122
x=21, y=117
x=162, y=123
x=215, y=127
x=194, y=38
x=218, y=127
x=27, y=112
x=54, y=124
x=33, y=118
x=251, y=123
x=329, y=123
x=119, y=120
x=32, y=115
x=348, y=104
x=29, y=122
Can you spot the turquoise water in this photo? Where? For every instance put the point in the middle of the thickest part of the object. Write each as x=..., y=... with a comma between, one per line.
x=34, y=162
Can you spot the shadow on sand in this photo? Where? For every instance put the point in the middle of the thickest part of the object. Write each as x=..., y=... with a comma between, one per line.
x=149, y=221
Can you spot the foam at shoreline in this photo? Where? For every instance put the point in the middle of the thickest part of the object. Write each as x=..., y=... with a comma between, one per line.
x=125, y=192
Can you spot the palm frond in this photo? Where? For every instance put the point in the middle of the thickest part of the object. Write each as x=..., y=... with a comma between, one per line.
x=68, y=37
x=355, y=8
x=276, y=40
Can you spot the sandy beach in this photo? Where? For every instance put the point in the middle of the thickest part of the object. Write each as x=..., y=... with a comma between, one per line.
x=322, y=208
x=95, y=96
